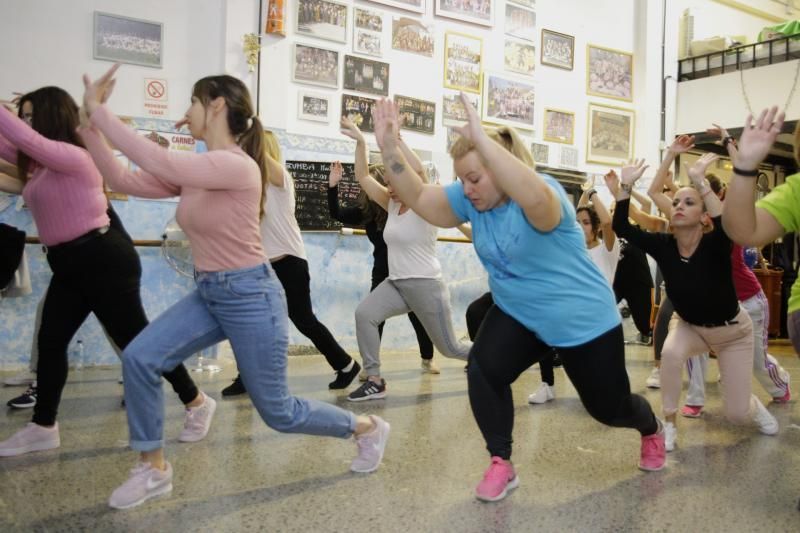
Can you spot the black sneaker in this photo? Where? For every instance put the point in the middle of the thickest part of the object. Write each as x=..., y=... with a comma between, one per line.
x=557, y=363
x=344, y=379
x=368, y=391
x=26, y=400
x=234, y=389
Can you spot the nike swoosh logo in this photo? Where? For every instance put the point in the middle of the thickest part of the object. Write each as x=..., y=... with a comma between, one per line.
x=151, y=485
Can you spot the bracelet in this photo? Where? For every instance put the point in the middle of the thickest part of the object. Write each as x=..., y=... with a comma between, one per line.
x=627, y=187
x=591, y=192
x=749, y=173
x=727, y=140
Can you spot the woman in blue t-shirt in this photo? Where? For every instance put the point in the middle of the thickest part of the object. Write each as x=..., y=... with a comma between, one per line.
x=545, y=287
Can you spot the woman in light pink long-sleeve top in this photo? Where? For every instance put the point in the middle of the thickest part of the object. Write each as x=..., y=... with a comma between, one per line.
x=95, y=266
x=238, y=296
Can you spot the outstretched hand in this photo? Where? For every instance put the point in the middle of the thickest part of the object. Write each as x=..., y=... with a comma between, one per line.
x=632, y=171
x=612, y=182
x=682, y=144
x=697, y=172
x=472, y=130
x=335, y=175
x=97, y=92
x=757, y=138
x=387, y=123
x=348, y=128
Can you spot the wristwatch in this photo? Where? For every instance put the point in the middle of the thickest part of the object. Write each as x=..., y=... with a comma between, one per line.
x=627, y=187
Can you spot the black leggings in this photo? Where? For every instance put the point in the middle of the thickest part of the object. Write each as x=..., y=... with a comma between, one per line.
x=476, y=312
x=637, y=295
x=101, y=276
x=661, y=327
x=425, y=343
x=504, y=348
x=293, y=275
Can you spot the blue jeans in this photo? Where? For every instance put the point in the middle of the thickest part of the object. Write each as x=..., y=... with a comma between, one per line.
x=247, y=307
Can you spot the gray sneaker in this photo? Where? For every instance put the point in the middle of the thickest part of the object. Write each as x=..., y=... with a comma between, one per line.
x=31, y=438
x=145, y=482
x=197, y=421
x=371, y=446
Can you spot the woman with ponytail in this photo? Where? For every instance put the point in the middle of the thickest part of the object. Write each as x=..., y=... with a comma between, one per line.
x=238, y=296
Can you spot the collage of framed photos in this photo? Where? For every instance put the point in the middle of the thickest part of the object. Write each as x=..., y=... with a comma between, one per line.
x=501, y=97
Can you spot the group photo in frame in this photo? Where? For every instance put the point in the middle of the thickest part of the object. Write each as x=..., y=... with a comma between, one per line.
x=359, y=110
x=411, y=35
x=474, y=11
x=324, y=19
x=559, y=126
x=558, y=49
x=508, y=101
x=367, y=32
x=313, y=106
x=519, y=57
x=520, y=22
x=128, y=40
x=453, y=112
x=463, y=60
x=417, y=6
x=609, y=139
x=315, y=66
x=415, y=114
x=366, y=75
x=540, y=153
x=609, y=73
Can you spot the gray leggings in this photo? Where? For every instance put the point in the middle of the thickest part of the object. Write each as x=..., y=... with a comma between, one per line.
x=427, y=298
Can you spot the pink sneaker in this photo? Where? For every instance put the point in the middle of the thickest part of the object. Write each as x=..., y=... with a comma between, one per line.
x=783, y=399
x=31, y=438
x=692, y=411
x=654, y=453
x=498, y=479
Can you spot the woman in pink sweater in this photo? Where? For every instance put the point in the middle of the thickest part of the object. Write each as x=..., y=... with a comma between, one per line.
x=95, y=266
x=238, y=296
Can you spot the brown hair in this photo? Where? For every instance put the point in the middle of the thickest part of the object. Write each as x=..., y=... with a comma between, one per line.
x=242, y=122
x=506, y=136
x=370, y=209
x=55, y=116
x=593, y=218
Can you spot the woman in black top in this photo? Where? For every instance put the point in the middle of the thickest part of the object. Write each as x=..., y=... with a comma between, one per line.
x=373, y=217
x=695, y=260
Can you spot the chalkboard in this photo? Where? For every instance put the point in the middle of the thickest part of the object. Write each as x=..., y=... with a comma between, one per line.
x=311, y=193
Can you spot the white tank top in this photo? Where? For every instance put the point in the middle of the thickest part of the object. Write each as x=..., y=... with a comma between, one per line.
x=411, y=245
x=280, y=232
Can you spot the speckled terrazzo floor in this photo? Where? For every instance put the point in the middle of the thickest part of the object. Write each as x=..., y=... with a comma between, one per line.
x=576, y=475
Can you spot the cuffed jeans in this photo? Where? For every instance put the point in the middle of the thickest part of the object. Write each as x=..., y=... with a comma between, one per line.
x=247, y=307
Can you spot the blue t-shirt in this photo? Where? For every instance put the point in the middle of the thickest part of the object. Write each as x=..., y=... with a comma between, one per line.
x=546, y=281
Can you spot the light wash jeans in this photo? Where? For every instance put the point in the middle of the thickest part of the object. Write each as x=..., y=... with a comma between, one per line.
x=247, y=307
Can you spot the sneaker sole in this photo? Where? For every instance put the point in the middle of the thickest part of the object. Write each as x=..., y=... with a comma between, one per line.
x=40, y=447
x=166, y=489
x=513, y=484
x=380, y=457
x=22, y=406
x=376, y=396
x=652, y=469
x=692, y=415
x=14, y=383
x=194, y=438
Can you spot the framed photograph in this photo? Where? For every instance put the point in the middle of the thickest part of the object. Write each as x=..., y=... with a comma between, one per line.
x=367, y=32
x=315, y=66
x=520, y=22
x=508, y=101
x=324, y=19
x=417, y=6
x=519, y=57
x=128, y=40
x=366, y=75
x=462, y=62
x=610, y=135
x=558, y=49
x=453, y=112
x=313, y=106
x=559, y=126
x=609, y=73
x=540, y=153
x=410, y=35
x=569, y=157
x=475, y=11
x=359, y=110
x=416, y=115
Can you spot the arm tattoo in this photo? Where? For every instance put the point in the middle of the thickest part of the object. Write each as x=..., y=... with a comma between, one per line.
x=396, y=166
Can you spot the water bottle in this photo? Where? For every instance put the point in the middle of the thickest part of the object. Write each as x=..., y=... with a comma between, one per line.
x=78, y=355
x=751, y=257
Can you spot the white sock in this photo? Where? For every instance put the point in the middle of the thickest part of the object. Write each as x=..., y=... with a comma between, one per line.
x=349, y=367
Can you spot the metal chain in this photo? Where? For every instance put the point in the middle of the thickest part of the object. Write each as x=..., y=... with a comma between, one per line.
x=788, y=100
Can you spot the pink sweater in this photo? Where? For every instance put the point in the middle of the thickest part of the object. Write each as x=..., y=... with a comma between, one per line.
x=65, y=192
x=220, y=191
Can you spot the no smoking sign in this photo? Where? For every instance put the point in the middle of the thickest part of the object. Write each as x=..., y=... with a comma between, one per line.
x=155, y=97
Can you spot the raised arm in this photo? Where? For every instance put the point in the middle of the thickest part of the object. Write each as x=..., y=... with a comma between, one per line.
x=645, y=220
x=745, y=223
x=663, y=177
x=622, y=226
x=605, y=219
x=376, y=192
x=413, y=159
x=346, y=215
x=697, y=173
x=274, y=171
x=428, y=201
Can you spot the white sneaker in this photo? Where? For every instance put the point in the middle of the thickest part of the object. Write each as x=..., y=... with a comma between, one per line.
x=543, y=394
x=429, y=367
x=197, y=421
x=670, y=436
x=145, y=482
x=653, y=381
x=31, y=438
x=767, y=424
x=371, y=446
x=23, y=378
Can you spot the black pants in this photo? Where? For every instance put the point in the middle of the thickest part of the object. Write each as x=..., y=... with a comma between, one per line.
x=425, y=343
x=476, y=312
x=637, y=294
x=101, y=276
x=293, y=275
x=504, y=348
